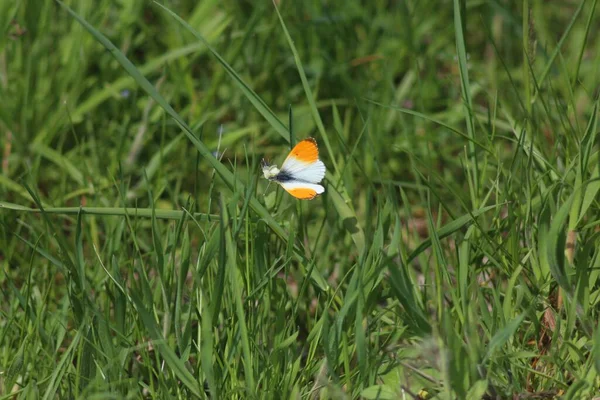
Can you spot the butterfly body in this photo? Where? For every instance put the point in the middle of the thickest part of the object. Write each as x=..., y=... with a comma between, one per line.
x=301, y=171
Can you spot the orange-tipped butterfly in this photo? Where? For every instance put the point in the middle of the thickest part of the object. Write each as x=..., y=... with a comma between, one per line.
x=301, y=171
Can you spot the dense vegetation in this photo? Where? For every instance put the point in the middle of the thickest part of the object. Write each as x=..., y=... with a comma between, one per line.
x=453, y=255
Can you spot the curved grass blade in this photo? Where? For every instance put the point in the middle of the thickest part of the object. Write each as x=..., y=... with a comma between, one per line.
x=553, y=243
x=174, y=363
x=348, y=218
x=63, y=365
x=14, y=187
x=503, y=335
x=435, y=121
x=234, y=280
x=60, y=161
x=341, y=200
x=309, y=95
x=256, y=101
x=459, y=17
x=449, y=229
x=559, y=46
x=584, y=41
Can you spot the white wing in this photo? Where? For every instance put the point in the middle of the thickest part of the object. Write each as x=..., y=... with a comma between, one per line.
x=306, y=172
x=302, y=190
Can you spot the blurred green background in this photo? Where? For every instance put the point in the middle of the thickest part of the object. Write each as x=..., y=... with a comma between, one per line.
x=454, y=253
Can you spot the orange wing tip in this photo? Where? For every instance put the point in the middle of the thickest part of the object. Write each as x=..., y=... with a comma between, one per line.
x=303, y=193
x=306, y=151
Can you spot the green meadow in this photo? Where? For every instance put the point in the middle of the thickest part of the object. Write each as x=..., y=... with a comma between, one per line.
x=455, y=253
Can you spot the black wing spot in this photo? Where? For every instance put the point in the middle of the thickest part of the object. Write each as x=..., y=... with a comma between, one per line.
x=283, y=176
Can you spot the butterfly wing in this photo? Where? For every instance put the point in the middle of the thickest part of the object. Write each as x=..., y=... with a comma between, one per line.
x=303, y=162
x=302, y=190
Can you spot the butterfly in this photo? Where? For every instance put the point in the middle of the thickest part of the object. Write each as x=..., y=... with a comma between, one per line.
x=301, y=171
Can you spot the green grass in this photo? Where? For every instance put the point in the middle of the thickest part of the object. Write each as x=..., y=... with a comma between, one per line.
x=454, y=253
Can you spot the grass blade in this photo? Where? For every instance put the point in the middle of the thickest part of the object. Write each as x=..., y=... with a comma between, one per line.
x=110, y=211
x=466, y=92
x=256, y=101
x=174, y=363
x=449, y=229
x=227, y=176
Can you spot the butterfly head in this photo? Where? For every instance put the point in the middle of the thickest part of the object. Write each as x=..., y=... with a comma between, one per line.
x=269, y=171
